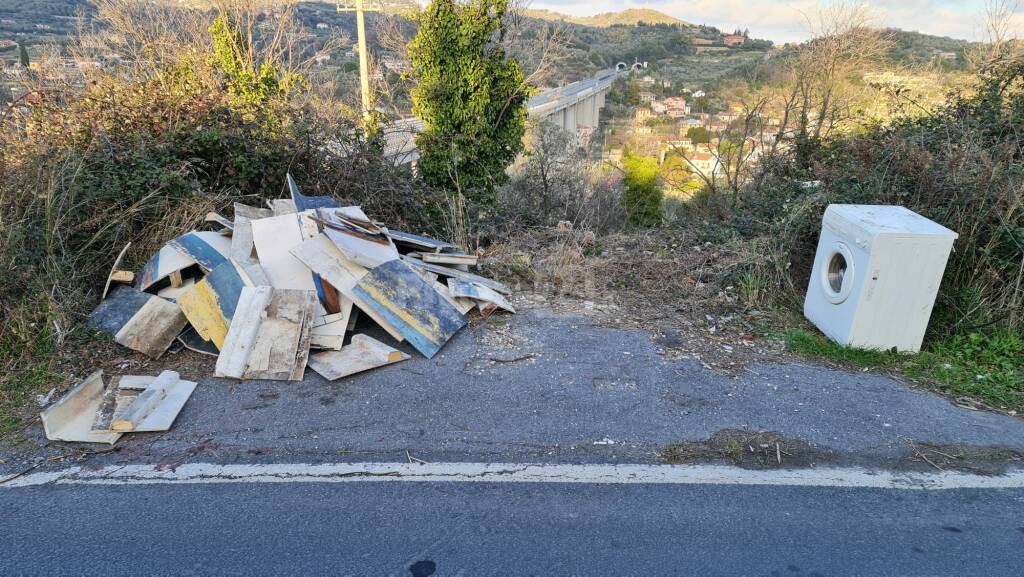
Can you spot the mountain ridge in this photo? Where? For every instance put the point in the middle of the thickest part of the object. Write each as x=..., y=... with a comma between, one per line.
x=627, y=17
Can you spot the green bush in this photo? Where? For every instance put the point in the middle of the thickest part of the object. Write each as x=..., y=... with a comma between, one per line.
x=642, y=196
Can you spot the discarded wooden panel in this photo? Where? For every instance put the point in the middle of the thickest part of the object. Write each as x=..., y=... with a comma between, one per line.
x=466, y=289
x=115, y=403
x=361, y=354
x=132, y=382
x=324, y=257
x=425, y=318
x=166, y=261
x=172, y=293
x=303, y=202
x=358, y=243
x=428, y=276
x=118, y=276
x=250, y=212
x=269, y=335
x=282, y=206
x=459, y=274
x=330, y=333
x=211, y=303
x=463, y=305
x=214, y=218
x=207, y=248
x=419, y=242
x=139, y=321
x=449, y=258
x=192, y=341
x=156, y=407
x=71, y=417
x=273, y=238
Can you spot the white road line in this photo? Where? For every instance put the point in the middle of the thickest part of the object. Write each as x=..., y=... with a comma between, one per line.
x=199, y=473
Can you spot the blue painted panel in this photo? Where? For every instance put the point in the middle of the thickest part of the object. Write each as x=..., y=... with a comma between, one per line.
x=204, y=254
x=117, y=310
x=399, y=295
x=228, y=285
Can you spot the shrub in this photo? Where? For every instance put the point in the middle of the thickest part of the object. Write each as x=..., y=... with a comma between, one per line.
x=642, y=197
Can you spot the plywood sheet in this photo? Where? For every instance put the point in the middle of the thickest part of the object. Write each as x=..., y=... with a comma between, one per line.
x=207, y=248
x=419, y=242
x=157, y=406
x=139, y=321
x=459, y=274
x=269, y=335
x=274, y=237
x=167, y=260
x=303, y=202
x=361, y=354
x=465, y=289
x=71, y=417
x=211, y=303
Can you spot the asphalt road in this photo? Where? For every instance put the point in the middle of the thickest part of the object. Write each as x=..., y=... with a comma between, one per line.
x=479, y=529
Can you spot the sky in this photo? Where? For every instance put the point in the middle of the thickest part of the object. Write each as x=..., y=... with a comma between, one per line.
x=786, y=21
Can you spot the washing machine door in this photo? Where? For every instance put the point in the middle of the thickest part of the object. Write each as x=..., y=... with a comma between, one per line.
x=837, y=272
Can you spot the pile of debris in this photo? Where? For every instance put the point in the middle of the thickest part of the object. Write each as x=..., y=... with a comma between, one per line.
x=279, y=288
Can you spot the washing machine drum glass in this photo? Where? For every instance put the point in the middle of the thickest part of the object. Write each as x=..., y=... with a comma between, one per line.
x=837, y=273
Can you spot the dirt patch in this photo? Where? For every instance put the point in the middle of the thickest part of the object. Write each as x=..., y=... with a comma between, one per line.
x=749, y=450
x=662, y=282
x=965, y=458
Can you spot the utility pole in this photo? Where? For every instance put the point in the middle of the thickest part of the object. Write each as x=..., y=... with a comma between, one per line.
x=360, y=7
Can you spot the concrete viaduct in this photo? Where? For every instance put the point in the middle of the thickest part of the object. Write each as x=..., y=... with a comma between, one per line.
x=573, y=106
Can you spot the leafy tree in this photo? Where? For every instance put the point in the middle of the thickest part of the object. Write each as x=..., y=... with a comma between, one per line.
x=642, y=197
x=699, y=135
x=471, y=97
x=23, y=54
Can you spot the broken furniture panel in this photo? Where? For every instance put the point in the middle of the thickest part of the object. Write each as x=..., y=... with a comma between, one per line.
x=417, y=242
x=282, y=206
x=449, y=258
x=464, y=289
x=463, y=305
x=207, y=248
x=211, y=303
x=156, y=407
x=459, y=274
x=323, y=256
x=361, y=354
x=269, y=335
x=273, y=238
x=166, y=262
x=139, y=321
x=359, y=239
x=71, y=418
x=303, y=202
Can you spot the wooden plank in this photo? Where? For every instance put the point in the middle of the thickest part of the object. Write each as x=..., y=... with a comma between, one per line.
x=166, y=261
x=425, y=318
x=463, y=275
x=211, y=303
x=133, y=382
x=361, y=354
x=156, y=408
x=358, y=248
x=139, y=321
x=419, y=242
x=449, y=258
x=114, y=271
x=282, y=206
x=274, y=237
x=269, y=335
x=465, y=289
x=322, y=256
x=250, y=212
x=463, y=305
x=71, y=417
x=207, y=248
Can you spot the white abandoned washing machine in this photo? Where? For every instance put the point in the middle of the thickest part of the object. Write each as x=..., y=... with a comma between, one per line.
x=875, y=276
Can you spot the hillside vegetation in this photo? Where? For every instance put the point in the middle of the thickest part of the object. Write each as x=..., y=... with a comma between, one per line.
x=627, y=17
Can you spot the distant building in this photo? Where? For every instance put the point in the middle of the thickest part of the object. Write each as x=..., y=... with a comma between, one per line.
x=8, y=43
x=699, y=94
x=642, y=115
x=322, y=59
x=698, y=41
x=322, y=26
x=647, y=81
x=658, y=107
x=704, y=162
x=733, y=40
x=646, y=97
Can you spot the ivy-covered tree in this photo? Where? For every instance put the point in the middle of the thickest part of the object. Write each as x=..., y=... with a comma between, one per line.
x=470, y=95
x=23, y=54
x=642, y=197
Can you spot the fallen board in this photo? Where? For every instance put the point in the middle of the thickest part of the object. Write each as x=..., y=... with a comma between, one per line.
x=459, y=288
x=359, y=247
x=71, y=417
x=242, y=251
x=209, y=249
x=191, y=340
x=269, y=335
x=425, y=318
x=463, y=305
x=166, y=261
x=281, y=206
x=140, y=321
x=303, y=202
x=156, y=408
x=419, y=242
x=361, y=354
x=273, y=238
x=449, y=258
x=324, y=257
x=450, y=272
x=211, y=303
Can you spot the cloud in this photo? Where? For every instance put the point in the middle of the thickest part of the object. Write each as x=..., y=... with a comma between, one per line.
x=785, y=20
